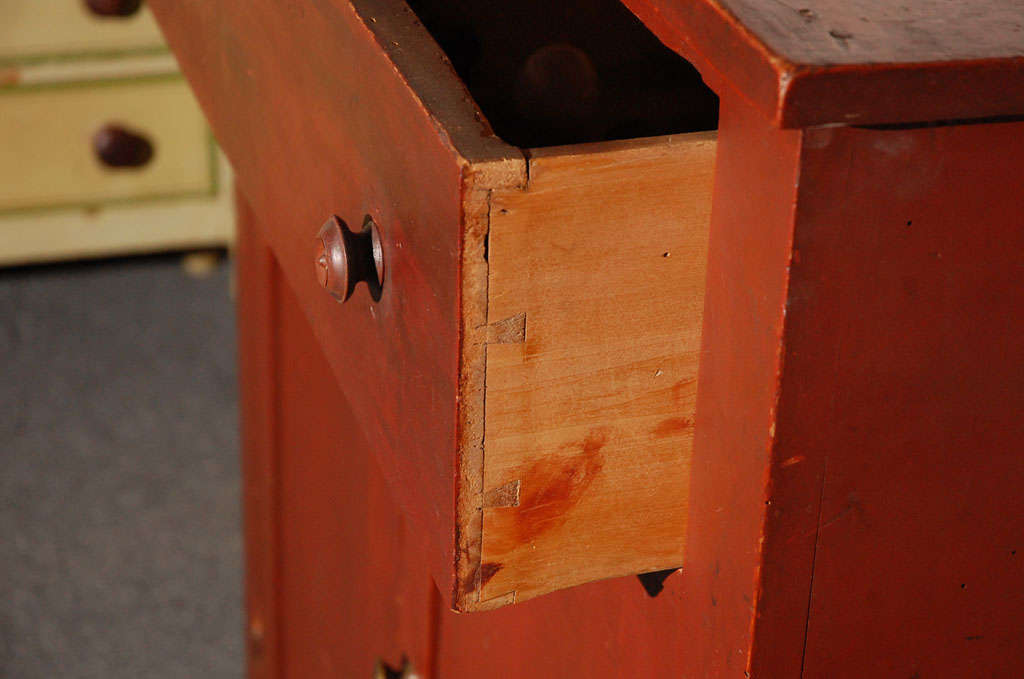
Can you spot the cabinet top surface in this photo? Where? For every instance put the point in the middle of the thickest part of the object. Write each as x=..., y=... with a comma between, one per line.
x=832, y=32
x=810, y=62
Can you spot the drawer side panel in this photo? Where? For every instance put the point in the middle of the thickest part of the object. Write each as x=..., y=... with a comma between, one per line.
x=595, y=304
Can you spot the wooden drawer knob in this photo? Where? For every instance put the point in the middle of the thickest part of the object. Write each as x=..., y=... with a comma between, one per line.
x=113, y=8
x=118, y=147
x=343, y=258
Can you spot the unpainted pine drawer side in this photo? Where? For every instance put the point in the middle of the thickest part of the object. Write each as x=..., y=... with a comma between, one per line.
x=595, y=303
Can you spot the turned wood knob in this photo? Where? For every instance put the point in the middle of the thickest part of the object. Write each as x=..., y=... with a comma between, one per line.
x=344, y=257
x=116, y=146
x=113, y=8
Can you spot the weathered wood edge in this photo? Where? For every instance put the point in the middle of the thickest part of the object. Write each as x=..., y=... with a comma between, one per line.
x=427, y=72
x=488, y=163
x=469, y=484
x=794, y=95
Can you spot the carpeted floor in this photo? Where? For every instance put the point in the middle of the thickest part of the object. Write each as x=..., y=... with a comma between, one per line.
x=120, y=540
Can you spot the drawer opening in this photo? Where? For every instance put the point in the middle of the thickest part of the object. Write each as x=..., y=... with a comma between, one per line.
x=557, y=72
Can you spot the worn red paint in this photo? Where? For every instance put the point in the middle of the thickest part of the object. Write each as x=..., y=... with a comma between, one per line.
x=253, y=68
x=551, y=487
x=793, y=89
x=671, y=427
x=302, y=582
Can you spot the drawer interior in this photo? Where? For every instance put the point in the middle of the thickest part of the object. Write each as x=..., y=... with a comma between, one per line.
x=549, y=73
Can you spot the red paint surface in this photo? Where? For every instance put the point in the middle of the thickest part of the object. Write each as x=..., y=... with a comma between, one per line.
x=605, y=629
x=753, y=212
x=257, y=328
x=855, y=506
x=905, y=384
x=334, y=571
x=309, y=110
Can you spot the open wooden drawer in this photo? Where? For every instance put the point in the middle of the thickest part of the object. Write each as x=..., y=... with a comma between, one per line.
x=528, y=370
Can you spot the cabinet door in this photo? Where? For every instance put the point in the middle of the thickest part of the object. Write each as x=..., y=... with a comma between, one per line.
x=334, y=578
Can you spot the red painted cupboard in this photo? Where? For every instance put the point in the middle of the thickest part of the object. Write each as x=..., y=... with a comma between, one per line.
x=759, y=329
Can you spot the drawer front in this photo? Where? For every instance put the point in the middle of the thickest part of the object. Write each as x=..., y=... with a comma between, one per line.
x=133, y=227
x=336, y=130
x=34, y=29
x=527, y=373
x=49, y=137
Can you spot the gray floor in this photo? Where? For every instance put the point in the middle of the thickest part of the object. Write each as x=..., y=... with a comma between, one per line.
x=120, y=545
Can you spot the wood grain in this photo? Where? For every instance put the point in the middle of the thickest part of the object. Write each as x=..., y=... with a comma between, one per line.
x=865, y=62
x=596, y=291
x=831, y=32
x=315, y=498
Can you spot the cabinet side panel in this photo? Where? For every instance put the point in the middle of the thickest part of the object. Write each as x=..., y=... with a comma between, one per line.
x=904, y=380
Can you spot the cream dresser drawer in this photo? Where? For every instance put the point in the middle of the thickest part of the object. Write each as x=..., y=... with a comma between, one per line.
x=34, y=29
x=50, y=137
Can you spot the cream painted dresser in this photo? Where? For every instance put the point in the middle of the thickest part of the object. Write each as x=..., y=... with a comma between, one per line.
x=103, y=150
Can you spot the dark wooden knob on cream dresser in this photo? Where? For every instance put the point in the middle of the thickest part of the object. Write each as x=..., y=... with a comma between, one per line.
x=117, y=146
x=113, y=8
